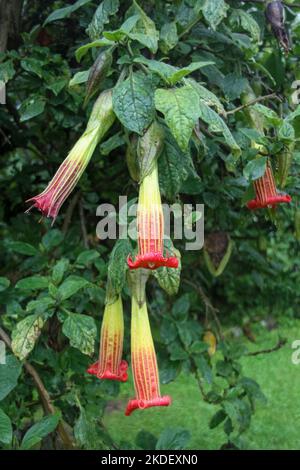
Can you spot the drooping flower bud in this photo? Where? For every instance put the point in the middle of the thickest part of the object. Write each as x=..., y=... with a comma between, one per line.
x=150, y=222
x=110, y=364
x=275, y=16
x=143, y=362
x=68, y=174
x=266, y=192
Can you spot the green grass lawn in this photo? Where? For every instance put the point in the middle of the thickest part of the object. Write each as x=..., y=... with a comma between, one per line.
x=274, y=426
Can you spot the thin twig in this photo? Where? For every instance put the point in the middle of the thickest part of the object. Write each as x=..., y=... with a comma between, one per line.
x=256, y=100
x=43, y=394
x=281, y=342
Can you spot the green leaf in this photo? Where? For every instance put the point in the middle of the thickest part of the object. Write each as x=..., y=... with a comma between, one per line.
x=4, y=283
x=33, y=283
x=23, y=248
x=59, y=270
x=169, y=278
x=170, y=74
x=40, y=305
x=32, y=107
x=38, y=431
x=5, y=428
x=81, y=331
x=233, y=85
x=172, y=166
x=123, y=31
x=179, y=106
x=286, y=132
x=9, y=374
x=217, y=419
x=106, y=9
x=144, y=31
x=52, y=239
x=269, y=114
x=87, y=257
x=247, y=22
x=255, y=168
x=71, y=286
x=133, y=102
x=168, y=37
x=181, y=307
x=33, y=66
x=82, y=50
x=117, y=266
x=79, y=78
x=209, y=98
x=25, y=335
x=214, y=12
x=173, y=439
x=7, y=71
x=216, y=124
x=65, y=12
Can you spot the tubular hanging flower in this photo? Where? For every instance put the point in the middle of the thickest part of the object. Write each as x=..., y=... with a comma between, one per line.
x=266, y=192
x=151, y=227
x=144, y=364
x=68, y=174
x=110, y=364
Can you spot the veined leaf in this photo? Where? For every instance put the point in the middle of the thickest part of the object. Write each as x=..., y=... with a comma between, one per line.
x=133, y=102
x=25, y=335
x=81, y=331
x=106, y=9
x=179, y=106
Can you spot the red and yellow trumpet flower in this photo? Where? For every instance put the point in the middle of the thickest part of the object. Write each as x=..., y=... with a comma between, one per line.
x=266, y=192
x=68, y=174
x=150, y=224
x=110, y=364
x=143, y=361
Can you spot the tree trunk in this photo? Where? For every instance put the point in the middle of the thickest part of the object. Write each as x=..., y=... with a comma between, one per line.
x=10, y=19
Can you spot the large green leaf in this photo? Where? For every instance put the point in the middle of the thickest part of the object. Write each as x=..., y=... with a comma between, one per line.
x=71, y=286
x=32, y=107
x=179, y=106
x=117, y=266
x=38, y=431
x=81, y=331
x=173, y=167
x=26, y=333
x=173, y=439
x=133, y=102
x=4, y=283
x=33, y=283
x=216, y=124
x=169, y=278
x=170, y=74
x=101, y=17
x=5, y=428
x=214, y=11
x=145, y=31
x=255, y=168
x=65, y=12
x=9, y=374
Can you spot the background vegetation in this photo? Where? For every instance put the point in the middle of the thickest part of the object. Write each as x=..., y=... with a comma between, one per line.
x=53, y=278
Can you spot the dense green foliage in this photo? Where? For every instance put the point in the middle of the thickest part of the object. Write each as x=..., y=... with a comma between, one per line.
x=191, y=65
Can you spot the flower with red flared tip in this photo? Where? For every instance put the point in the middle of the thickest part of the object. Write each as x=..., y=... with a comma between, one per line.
x=150, y=222
x=110, y=364
x=68, y=174
x=266, y=192
x=143, y=362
